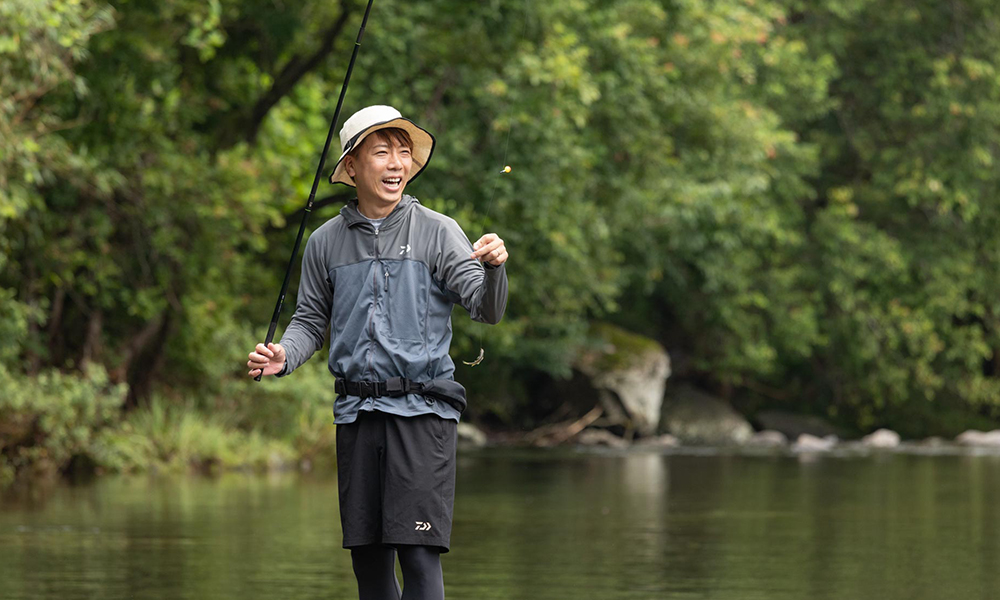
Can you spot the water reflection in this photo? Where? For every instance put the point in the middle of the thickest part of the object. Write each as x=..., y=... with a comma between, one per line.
x=538, y=525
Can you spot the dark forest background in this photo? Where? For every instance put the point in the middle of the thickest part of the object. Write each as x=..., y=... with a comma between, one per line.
x=799, y=200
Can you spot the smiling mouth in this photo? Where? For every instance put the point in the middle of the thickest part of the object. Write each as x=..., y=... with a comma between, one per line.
x=392, y=181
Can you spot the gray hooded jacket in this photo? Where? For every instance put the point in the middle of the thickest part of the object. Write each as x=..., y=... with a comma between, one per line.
x=387, y=297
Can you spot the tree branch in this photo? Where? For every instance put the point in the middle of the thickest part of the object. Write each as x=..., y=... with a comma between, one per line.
x=318, y=204
x=293, y=71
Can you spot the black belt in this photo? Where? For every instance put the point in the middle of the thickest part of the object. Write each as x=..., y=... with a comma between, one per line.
x=392, y=387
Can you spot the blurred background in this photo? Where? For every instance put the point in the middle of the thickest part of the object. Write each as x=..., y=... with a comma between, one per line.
x=795, y=203
x=744, y=234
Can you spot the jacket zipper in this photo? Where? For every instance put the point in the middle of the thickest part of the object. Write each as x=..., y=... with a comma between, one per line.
x=371, y=316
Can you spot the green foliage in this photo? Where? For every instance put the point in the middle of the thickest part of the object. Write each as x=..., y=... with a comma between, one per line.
x=169, y=436
x=904, y=223
x=795, y=197
x=48, y=420
x=298, y=410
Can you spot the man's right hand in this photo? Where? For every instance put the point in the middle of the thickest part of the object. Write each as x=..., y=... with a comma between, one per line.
x=268, y=360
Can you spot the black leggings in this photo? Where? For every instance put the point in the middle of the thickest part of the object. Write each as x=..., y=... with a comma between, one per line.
x=375, y=568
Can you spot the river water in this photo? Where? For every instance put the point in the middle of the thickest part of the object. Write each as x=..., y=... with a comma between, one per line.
x=535, y=525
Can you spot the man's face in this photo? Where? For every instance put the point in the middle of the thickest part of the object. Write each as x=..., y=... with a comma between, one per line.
x=380, y=168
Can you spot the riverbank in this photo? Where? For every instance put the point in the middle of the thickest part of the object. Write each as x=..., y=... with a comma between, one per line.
x=57, y=425
x=66, y=425
x=762, y=443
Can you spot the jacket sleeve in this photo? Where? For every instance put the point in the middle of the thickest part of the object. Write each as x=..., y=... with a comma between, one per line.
x=480, y=290
x=307, y=330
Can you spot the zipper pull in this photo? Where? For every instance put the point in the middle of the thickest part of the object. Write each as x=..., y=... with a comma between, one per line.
x=387, y=280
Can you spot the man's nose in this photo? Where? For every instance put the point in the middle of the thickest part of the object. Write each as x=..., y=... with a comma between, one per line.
x=395, y=162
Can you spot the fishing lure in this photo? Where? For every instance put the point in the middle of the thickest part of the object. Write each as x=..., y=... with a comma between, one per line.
x=482, y=352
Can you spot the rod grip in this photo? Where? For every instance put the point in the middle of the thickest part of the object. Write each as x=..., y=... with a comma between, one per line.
x=268, y=340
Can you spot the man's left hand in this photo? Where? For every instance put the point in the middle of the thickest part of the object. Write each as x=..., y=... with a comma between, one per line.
x=490, y=249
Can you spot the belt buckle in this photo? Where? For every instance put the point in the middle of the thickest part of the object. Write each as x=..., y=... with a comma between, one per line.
x=366, y=390
x=394, y=386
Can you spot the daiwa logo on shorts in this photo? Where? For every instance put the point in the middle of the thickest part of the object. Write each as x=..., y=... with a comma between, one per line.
x=421, y=526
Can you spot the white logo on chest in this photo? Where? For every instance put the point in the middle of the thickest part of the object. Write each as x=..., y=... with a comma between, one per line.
x=421, y=526
x=404, y=249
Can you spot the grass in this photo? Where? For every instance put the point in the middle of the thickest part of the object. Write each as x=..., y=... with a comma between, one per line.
x=169, y=436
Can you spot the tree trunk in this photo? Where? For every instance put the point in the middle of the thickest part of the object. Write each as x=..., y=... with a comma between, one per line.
x=92, y=340
x=143, y=367
x=55, y=322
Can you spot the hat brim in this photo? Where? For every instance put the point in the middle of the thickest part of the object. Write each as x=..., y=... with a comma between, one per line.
x=423, y=148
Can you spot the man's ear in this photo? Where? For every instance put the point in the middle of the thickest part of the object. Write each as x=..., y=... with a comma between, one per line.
x=349, y=165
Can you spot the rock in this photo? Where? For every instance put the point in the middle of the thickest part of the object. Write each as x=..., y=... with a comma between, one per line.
x=659, y=441
x=768, y=439
x=932, y=442
x=882, y=438
x=600, y=437
x=470, y=436
x=979, y=438
x=811, y=443
x=793, y=425
x=630, y=373
x=699, y=418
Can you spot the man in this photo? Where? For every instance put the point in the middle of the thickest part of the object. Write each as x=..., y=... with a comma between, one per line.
x=383, y=277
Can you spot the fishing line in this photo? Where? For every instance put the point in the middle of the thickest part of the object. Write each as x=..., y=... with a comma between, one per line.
x=506, y=169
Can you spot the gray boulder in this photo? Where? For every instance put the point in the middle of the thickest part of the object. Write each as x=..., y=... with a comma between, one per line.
x=695, y=417
x=812, y=443
x=793, y=425
x=659, y=441
x=470, y=436
x=979, y=438
x=768, y=439
x=630, y=373
x=882, y=438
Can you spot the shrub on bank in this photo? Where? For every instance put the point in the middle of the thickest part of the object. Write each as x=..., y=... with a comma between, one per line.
x=48, y=420
x=172, y=436
x=57, y=422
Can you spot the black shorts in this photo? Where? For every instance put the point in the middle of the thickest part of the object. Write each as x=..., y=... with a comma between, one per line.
x=397, y=479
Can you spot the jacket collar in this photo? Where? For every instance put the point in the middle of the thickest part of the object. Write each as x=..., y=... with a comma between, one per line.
x=353, y=216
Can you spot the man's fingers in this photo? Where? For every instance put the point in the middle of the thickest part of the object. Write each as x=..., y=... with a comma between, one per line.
x=488, y=248
x=265, y=357
x=483, y=241
x=259, y=358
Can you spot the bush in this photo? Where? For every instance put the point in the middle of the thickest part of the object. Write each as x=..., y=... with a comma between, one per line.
x=297, y=409
x=174, y=436
x=48, y=420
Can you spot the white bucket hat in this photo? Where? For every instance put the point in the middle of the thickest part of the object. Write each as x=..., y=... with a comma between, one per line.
x=373, y=118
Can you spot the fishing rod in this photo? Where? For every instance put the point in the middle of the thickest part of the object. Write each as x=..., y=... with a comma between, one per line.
x=312, y=193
